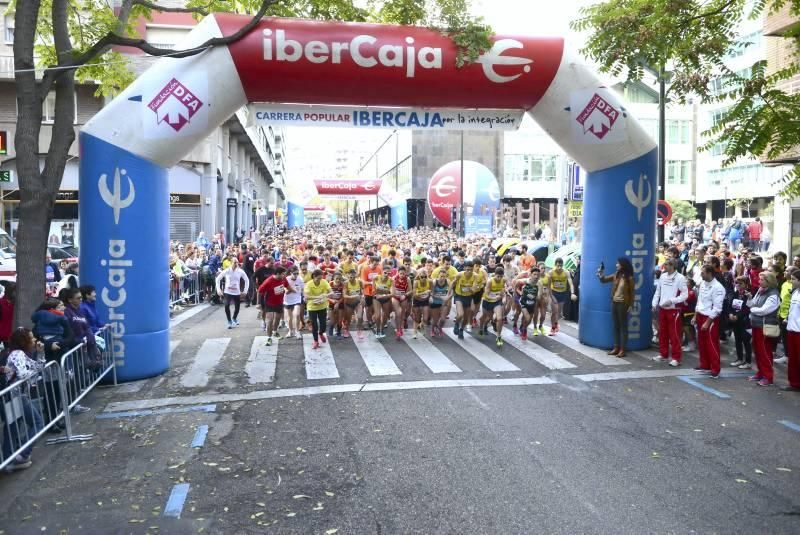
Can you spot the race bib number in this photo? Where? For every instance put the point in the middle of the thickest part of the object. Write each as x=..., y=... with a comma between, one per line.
x=319, y=300
x=737, y=304
x=372, y=276
x=279, y=290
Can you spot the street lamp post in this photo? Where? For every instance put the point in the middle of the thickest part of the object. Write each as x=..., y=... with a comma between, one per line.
x=662, y=144
x=461, y=227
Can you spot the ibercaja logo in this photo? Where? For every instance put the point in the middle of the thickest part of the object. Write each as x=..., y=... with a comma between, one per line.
x=175, y=105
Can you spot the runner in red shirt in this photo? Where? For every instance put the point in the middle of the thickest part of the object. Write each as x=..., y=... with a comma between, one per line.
x=402, y=289
x=328, y=266
x=271, y=292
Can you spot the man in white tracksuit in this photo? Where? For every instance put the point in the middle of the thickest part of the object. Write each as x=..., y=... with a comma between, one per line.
x=671, y=292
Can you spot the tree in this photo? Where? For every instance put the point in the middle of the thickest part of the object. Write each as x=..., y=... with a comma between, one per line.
x=744, y=202
x=693, y=37
x=682, y=210
x=73, y=41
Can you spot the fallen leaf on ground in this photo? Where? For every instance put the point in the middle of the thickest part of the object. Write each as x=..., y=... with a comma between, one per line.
x=331, y=531
x=290, y=515
x=329, y=493
x=299, y=496
x=759, y=471
x=781, y=469
x=741, y=480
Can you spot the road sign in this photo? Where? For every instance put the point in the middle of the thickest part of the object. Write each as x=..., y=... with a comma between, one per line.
x=664, y=212
x=479, y=224
x=575, y=209
x=576, y=186
x=5, y=175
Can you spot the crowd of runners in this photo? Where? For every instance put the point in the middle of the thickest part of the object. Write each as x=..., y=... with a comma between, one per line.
x=334, y=280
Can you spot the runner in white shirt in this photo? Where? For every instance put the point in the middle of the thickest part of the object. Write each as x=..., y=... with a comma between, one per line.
x=710, y=297
x=292, y=302
x=671, y=292
x=237, y=283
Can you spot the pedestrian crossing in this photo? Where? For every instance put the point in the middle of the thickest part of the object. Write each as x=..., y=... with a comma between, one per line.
x=249, y=360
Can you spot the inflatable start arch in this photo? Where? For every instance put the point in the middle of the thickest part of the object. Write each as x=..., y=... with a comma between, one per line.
x=127, y=148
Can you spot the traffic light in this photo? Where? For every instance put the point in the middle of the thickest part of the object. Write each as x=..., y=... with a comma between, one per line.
x=3, y=142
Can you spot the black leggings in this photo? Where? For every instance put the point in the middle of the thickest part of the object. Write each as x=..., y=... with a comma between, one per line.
x=319, y=320
x=620, y=313
x=236, y=300
x=744, y=349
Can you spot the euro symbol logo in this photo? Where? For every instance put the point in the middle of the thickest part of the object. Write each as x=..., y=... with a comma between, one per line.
x=445, y=186
x=637, y=198
x=369, y=186
x=113, y=197
x=495, y=57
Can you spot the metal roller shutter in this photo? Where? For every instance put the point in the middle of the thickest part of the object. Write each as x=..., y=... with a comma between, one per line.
x=184, y=223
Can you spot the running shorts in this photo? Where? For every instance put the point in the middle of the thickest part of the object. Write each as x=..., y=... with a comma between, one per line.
x=276, y=309
x=465, y=300
x=419, y=304
x=489, y=306
x=561, y=297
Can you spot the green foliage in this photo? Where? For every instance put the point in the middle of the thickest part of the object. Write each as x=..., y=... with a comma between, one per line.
x=691, y=39
x=90, y=20
x=682, y=210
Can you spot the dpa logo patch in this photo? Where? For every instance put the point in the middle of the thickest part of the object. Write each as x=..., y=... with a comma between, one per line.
x=175, y=105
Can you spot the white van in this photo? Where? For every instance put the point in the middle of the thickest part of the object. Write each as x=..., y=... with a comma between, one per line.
x=8, y=257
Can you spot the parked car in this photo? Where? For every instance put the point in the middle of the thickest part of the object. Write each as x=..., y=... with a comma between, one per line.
x=569, y=253
x=8, y=257
x=63, y=252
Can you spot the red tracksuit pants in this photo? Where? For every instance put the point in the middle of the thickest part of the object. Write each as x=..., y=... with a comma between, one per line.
x=708, y=343
x=762, y=347
x=793, y=352
x=670, y=328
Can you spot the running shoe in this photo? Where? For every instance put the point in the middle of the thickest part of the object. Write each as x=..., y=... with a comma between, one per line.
x=414, y=336
x=460, y=334
x=755, y=377
x=338, y=336
x=552, y=332
x=455, y=328
x=674, y=363
x=659, y=358
x=298, y=335
x=523, y=336
x=79, y=409
x=713, y=376
x=515, y=329
x=745, y=366
x=230, y=325
x=269, y=340
x=535, y=331
x=277, y=335
x=398, y=332
x=704, y=370
x=315, y=345
x=346, y=333
x=322, y=338
x=499, y=342
x=541, y=330
x=736, y=363
x=764, y=382
x=236, y=322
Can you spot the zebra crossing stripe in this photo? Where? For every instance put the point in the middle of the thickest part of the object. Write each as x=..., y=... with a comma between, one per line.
x=319, y=362
x=543, y=356
x=206, y=359
x=597, y=355
x=260, y=367
x=375, y=356
x=428, y=353
x=488, y=358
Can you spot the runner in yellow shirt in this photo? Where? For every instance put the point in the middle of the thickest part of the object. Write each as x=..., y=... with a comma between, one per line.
x=494, y=295
x=317, y=292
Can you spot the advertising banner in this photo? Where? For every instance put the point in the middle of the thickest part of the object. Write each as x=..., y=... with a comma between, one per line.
x=348, y=188
x=481, y=191
x=392, y=118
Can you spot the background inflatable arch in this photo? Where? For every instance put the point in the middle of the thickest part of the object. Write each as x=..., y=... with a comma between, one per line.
x=127, y=147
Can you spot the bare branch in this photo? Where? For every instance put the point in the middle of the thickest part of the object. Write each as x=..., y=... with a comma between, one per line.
x=112, y=39
x=200, y=10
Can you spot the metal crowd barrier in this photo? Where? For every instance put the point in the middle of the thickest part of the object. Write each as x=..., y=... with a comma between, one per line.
x=31, y=407
x=185, y=290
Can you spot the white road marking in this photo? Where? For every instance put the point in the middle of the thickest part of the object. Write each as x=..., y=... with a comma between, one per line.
x=192, y=312
x=319, y=362
x=488, y=358
x=375, y=356
x=543, y=356
x=142, y=404
x=260, y=367
x=173, y=344
x=433, y=358
x=597, y=355
x=207, y=357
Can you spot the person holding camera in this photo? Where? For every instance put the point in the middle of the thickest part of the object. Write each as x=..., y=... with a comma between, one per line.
x=621, y=301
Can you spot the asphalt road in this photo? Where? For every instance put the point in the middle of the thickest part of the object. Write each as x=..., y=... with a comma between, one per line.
x=572, y=455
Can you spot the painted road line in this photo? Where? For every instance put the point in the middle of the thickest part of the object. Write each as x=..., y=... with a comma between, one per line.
x=704, y=388
x=597, y=355
x=319, y=362
x=458, y=383
x=205, y=360
x=174, y=344
x=140, y=405
x=543, y=356
x=791, y=425
x=260, y=367
x=192, y=312
x=200, y=436
x=428, y=353
x=375, y=356
x=134, y=413
x=638, y=374
x=487, y=357
x=176, y=500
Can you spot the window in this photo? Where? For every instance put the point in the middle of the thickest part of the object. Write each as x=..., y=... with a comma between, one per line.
x=678, y=172
x=795, y=231
x=530, y=168
x=678, y=132
x=49, y=108
x=9, y=25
